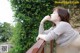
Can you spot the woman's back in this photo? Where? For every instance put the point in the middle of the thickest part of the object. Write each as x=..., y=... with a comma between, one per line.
x=68, y=35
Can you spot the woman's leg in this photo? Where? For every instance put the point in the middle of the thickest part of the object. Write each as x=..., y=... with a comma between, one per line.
x=76, y=42
x=74, y=47
x=68, y=49
x=59, y=49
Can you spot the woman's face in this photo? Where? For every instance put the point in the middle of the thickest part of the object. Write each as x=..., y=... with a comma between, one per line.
x=55, y=16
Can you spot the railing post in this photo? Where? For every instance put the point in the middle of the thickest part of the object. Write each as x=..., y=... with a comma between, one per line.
x=42, y=50
x=38, y=47
x=51, y=46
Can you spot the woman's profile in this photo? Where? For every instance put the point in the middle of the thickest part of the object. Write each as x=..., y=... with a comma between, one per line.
x=67, y=39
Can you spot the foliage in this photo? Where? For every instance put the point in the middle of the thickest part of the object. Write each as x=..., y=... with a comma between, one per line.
x=5, y=31
x=28, y=15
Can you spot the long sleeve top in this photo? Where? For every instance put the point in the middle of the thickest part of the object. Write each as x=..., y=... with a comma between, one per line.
x=63, y=33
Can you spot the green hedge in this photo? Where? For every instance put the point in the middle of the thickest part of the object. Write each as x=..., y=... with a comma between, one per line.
x=28, y=14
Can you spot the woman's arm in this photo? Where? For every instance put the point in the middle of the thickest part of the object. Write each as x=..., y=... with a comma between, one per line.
x=41, y=29
x=55, y=33
x=48, y=37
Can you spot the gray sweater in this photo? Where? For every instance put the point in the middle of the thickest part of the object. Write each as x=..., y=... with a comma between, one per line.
x=63, y=33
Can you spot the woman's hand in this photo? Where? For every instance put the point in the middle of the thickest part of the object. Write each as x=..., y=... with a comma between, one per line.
x=38, y=37
x=45, y=19
x=41, y=36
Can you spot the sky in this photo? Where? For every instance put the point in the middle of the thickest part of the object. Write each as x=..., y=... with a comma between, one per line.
x=6, y=13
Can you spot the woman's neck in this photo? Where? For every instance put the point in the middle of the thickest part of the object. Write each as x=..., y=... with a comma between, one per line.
x=57, y=22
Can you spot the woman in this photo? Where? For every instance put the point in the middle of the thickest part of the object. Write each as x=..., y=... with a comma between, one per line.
x=66, y=37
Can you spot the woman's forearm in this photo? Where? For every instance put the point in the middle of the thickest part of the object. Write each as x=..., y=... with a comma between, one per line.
x=41, y=27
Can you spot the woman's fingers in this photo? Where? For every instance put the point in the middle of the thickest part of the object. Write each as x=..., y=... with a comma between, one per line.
x=46, y=18
x=37, y=38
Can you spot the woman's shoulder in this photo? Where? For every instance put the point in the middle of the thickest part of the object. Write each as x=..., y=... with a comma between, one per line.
x=65, y=24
